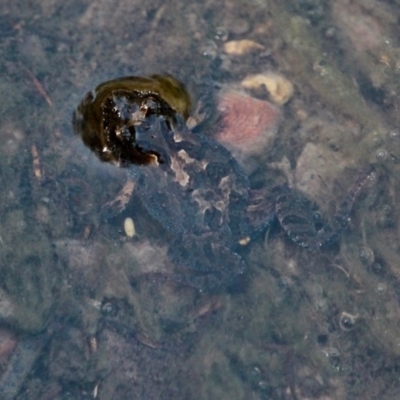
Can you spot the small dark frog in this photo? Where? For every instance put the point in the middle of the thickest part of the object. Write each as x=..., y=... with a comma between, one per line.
x=190, y=183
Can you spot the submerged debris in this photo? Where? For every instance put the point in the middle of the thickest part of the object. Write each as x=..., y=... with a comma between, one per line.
x=241, y=47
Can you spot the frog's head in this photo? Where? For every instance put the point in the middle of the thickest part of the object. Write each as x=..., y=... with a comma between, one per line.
x=130, y=120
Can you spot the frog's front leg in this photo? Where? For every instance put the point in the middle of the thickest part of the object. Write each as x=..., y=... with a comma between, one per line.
x=119, y=203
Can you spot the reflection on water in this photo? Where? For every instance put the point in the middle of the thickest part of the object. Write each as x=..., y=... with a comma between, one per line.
x=86, y=312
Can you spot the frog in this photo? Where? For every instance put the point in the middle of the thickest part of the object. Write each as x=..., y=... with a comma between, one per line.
x=191, y=184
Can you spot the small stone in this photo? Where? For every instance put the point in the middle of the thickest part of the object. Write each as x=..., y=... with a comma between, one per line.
x=314, y=162
x=8, y=341
x=240, y=47
x=129, y=227
x=347, y=321
x=279, y=88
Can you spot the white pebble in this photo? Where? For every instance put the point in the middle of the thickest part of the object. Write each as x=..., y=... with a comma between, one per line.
x=279, y=88
x=129, y=227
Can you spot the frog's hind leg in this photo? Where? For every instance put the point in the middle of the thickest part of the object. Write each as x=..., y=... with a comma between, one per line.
x=232, y=267
x=208, y=266
x=330, y=233
x=303, y=223
x=298, y=217
x=260, y=212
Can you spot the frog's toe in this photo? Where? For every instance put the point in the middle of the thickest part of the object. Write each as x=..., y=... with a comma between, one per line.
x=119, y=203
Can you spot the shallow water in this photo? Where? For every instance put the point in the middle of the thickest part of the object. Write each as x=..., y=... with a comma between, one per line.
x=80, y=313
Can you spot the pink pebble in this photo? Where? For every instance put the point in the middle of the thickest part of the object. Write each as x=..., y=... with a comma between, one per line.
x=248, y=125
x=8, y=341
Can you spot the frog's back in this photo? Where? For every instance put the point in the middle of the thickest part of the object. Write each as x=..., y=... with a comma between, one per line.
x=197, y=188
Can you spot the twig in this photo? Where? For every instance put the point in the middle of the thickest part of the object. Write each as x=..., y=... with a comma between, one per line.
x=38, y=86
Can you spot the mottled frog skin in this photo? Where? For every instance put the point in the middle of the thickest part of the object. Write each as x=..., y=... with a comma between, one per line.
x=190, y=183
